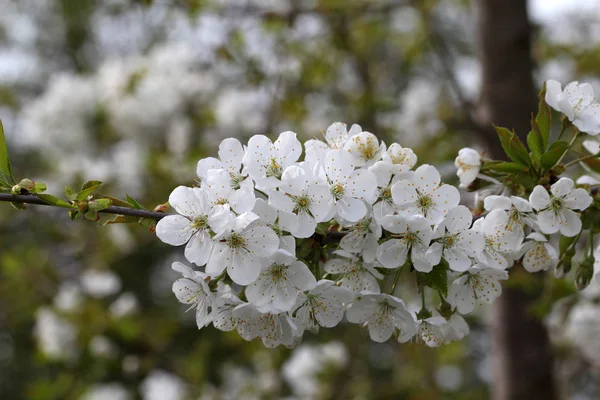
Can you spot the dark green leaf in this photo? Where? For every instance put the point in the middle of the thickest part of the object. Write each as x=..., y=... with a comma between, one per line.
x=122, y=219
x=565, y=242
x=534, y=140
x=71, y=195
x=99, y=204
x=115, y=201
x=134, y=203
x=5, y=170
x=90, y=184
x=38, y=187
x=506, y=167
x=55, y=201
x=554, y=153
x=512, y=145
x=86, y=190
x=543, y=119
x=437, y=279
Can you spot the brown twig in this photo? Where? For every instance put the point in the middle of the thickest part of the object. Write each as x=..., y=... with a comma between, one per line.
x=133, y=212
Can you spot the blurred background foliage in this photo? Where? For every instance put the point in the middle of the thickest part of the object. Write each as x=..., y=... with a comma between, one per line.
x=134, y=92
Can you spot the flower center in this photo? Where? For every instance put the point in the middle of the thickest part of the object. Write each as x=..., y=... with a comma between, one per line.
x=556, y=204
x=236, y=241
x=302, y=203
x=273, y=169
x=367, y=150
x=411, y=238
x=385, y=194
x=424, y=203
x=221, y=201
x=449, y=240
x=235, y=180
x=337, y=190
x=200, y=222
x=277, y=272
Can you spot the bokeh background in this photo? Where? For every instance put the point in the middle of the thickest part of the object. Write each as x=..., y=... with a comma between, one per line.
x=134, y=92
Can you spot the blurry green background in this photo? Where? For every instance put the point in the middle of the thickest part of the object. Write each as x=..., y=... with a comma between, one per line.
x=133, y=93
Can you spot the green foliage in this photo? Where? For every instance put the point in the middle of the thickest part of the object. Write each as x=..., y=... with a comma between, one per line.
x=6, y=177
x=437, y=279
x=55, y=201
x=554, y=154
x=512, y=145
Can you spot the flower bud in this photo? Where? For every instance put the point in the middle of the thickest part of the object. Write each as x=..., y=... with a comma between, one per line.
x=585, y=272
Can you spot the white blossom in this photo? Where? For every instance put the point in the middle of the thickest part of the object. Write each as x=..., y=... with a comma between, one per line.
x=225, y=301
x=266, y=161
x=350, y=188
x=382, y=314
x=243, y=251
x=272, y=329
x=478, y=285
x=500, y=243
x=323, y=306
x=354, y=273
x=193, y=290
x=455, y=241
x=365, y=148
x=304, y=196
x=577, y=102
x=538, y=254
x=468, y=163
x=337, y=134
x=219, y=192
x=276, y=288
x=555, y=210
x=422, y=194
x=230, y=153
x=362, y=238
x=519, y=210
x=280, y=221
x=414, y=238
x=192, y=225
x=432, y=331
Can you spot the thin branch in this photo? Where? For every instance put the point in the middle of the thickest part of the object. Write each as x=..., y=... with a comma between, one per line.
x=133, y=212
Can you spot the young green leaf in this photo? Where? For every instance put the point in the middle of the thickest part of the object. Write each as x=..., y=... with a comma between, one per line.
x=6, y=177
x=437, y=279
x=70, y=193
x=554, y=153
x=55, y=201
x=505, y=167
x=134, y=203
x=87, y=189
x=513, y=147
x=543, y=119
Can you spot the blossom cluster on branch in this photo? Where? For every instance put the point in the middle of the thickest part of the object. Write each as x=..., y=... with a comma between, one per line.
x=263, y=221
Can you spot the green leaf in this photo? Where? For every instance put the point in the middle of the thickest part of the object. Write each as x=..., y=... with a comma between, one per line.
x=115, y=201
x=565, y=242
x=87, y=189
x=38, y=187
x=5, y=170
x=543, y=119
x=513, y=147
x=437, y=279
x=55, y=201
x=554, y=153
x=505, y=167
x=134, y=203
x=70, y=193
x=122, y=219
x=99, y=204
x=90, y=184
x=534, y=140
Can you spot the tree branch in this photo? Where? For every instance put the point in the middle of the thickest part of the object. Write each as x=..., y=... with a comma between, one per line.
x=133, y=212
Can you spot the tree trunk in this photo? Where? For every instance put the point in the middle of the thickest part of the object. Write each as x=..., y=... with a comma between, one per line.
x=522, y=357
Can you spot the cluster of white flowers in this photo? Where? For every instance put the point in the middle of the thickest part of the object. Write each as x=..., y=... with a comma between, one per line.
x=256, y=205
